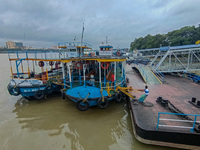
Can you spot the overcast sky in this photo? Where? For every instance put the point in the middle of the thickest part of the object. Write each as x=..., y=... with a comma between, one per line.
x=43, y=23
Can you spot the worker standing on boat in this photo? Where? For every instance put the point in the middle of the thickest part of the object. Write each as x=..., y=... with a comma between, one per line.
x=91, y=81
x=144, y=96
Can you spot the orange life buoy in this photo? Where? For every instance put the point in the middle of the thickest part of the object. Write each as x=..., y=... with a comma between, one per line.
x=51, y=63
x=118, y=53
x=104, y=67
x=79, y=65
x=92, y=54
x=41, y=63
x=58, y=62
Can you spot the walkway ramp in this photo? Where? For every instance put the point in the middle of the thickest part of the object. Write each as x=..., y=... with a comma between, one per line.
x=148, y=76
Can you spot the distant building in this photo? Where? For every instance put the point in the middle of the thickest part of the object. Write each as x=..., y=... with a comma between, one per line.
x=2, y=47
x=14, y=45
x=10, y=45
x=54, y=47
x=30, y=47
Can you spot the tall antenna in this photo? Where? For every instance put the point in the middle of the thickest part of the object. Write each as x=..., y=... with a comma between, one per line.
x=106, y=40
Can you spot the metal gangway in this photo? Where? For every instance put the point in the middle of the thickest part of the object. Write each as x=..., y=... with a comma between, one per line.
x=174, y=59
x=149, y=74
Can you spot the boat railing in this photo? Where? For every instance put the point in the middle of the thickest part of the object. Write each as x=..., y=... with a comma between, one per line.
x=158, y=74
x=46, y=55
x=34, y=54
x=182, y=124
x=66, y=44
x=142, y=72
x=78, y=81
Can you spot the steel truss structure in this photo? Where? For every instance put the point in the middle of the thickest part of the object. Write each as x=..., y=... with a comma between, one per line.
x=179, y=60
x=148, y=52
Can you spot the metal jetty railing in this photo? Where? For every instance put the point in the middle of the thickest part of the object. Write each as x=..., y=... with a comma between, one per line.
x=158, y=74
x=193, y=122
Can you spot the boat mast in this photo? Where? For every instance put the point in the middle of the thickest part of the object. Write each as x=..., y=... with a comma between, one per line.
x=81, y=40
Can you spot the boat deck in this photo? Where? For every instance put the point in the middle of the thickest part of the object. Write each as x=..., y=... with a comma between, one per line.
x=179, y=91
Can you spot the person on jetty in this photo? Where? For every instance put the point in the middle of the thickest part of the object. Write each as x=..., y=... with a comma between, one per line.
x=143, y=96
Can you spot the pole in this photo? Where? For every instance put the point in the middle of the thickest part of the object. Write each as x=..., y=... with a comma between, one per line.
x=69, y=71
x=81, y=41
x=100, y=74
x=10, y=65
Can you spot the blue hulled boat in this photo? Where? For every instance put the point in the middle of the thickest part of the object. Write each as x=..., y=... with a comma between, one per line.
x=91, y=80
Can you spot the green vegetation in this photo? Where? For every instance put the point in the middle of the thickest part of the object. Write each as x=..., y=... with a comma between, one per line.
x=184, y=36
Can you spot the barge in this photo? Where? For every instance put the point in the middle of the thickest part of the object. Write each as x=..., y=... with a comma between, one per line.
x=173, y=120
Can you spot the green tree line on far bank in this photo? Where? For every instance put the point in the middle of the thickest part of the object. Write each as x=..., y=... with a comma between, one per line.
x=184, y=36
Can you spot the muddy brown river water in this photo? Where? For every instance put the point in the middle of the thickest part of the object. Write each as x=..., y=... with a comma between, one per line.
x=56, y=124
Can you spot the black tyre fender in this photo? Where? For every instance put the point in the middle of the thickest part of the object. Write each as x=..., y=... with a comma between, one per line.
x=124, y=97
x=102, y=104
x=13, y=90
x=63, y=94
x=118, y=96
x=29, y=98
x=48, y=89
x=39, y=94
x=82, y=106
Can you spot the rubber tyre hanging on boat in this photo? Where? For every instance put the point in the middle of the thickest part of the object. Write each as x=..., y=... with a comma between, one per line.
x=39, y=94
x=102, y=104
x=48, y=89
x=29, y=98
x=13, y=90
x=82, y=106
x=63, y=94
x=124, y=97
x=118, y=96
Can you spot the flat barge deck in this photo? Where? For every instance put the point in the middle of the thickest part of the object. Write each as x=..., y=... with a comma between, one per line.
x=179, y=91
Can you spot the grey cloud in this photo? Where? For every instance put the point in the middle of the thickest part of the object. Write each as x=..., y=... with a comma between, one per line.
x=45, y=23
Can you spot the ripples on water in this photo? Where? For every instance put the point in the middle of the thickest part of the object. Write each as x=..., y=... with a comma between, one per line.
x=56, y=124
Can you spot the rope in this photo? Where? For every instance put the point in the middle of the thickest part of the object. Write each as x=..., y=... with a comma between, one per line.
x=147, y=104
x=86, y=97
x=108, y=89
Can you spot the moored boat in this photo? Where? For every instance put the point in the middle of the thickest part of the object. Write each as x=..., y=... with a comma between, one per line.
x=30, y=79
x=94, y=80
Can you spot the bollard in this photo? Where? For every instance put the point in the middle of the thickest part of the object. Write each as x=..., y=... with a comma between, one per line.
x=193, y=100
x=198, y=103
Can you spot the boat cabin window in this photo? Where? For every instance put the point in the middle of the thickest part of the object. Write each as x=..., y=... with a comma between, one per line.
x=72, y=50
